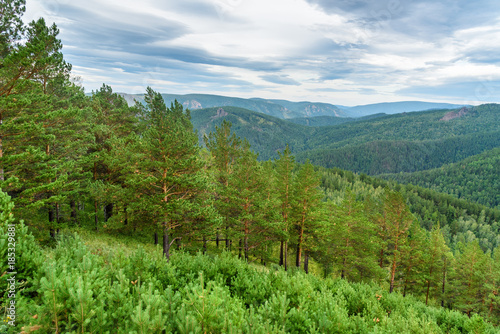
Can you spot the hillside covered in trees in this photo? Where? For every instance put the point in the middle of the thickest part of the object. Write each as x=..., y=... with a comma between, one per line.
x=217, y=240
x=373, y=145
x=475, y=178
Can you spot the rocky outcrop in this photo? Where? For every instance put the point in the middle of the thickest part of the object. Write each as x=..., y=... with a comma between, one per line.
x=220, y=113
x=192, y=104
x=455, y=114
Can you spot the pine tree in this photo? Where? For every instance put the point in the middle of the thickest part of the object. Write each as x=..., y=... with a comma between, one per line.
x=493, y=288
x=284, y=183
x=305, y=208
x=225, y=148
x=111, y=120
x=11, y=25
x=397, y=221
x=253, y=203
x=470, y=275
x=413, y=258
x=435, y=259
x=352, y=237
x=40, y=111
x=165, y=173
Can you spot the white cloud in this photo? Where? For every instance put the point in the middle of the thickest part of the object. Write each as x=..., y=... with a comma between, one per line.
x=288, y=49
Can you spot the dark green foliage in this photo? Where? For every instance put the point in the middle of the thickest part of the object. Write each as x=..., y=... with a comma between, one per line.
x=330, y=120
x=373, y=145
x=11, y=25
x=383, y=156
x=265, y=134
x=460, y=220
x=474, y=179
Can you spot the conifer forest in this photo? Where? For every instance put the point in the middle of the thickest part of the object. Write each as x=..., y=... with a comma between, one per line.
x=149, y=217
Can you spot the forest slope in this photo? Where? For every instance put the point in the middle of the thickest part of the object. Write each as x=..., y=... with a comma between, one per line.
x=476, y=178
x=98, y=283
x=385, y=144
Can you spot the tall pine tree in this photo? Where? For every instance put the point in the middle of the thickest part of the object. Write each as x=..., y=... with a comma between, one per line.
x=165, y=172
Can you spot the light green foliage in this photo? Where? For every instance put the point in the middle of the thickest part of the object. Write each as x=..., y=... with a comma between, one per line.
x=350, y=240
x=305, y=216
x=472, y=268
x=82, y=291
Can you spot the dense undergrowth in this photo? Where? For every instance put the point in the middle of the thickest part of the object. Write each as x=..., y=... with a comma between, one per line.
x=96, y=283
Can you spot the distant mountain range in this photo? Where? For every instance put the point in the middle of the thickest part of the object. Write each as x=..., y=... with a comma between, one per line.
x=287, y=109
x=397, y=107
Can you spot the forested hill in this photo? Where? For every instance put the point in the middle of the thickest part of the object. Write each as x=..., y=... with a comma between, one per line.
x=266, y=134
x=476, y=178
x=329, y=120
x=385, y=144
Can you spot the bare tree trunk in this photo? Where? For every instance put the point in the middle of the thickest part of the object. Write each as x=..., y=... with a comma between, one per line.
x=156, y=238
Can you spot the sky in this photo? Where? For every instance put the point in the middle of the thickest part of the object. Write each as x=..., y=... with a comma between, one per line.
x=344, y=52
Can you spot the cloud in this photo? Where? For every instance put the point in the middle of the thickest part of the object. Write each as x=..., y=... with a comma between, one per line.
x=342, y=52
x=280, y=79
x=469, y=92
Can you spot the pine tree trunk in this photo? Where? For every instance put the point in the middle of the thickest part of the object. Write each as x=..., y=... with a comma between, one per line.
x=204, y=245
x=108, y=211
x=228, y=243
x=217, y=238
x=428, y=287
x=1, y=155
x=72, y=204
x=58, y=214
x=166, y=244
x=246, y=247
x=285, y=257
x=96, y=208
x=299, y=249
x=444, y=282
x=156, y=238
x=125, y=222
x=393, y=269
x=52, y=231
x=298, y=256
x=342, y=274
x=306, y=262
x=240, y=247
x=282, y=244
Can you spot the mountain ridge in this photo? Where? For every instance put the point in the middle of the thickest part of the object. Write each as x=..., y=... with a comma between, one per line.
x=285, y=109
